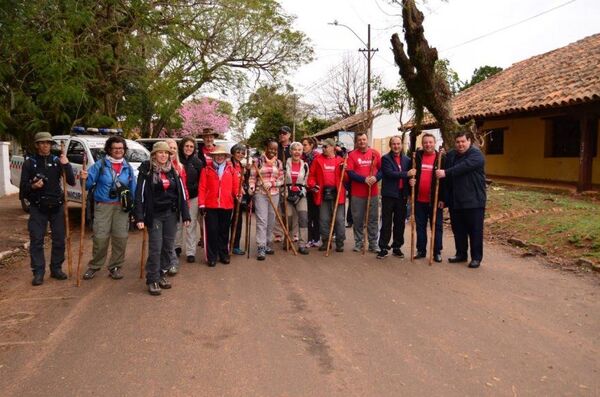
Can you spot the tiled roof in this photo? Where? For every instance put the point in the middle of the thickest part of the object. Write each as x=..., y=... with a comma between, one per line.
x=566, y=76
x=348, y=122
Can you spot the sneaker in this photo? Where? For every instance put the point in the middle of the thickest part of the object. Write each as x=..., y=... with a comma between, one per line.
x=172, y=271
x=303, y=250
x=269, y=251
x=374, y=250
x=310, y=244
x=115, y=273
x=191, y=259
x=178, y=252
x=357, y=248
x=339, y=248
x=38, y=279
x=420, y=254
x=154, y=289
x=58, y=274
x=90, y=273
x=317, y=244
x=226, y=260
x=211, y=263
x=323, y=247
x=260, y=253
x=397, y=252
x=163, y=283
x=238, y=251
x=382, y=254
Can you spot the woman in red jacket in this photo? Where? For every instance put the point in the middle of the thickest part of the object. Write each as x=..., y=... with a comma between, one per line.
x=324, y=179
x=218, y=188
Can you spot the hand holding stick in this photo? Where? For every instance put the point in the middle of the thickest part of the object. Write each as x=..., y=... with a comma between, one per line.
x=366, y=224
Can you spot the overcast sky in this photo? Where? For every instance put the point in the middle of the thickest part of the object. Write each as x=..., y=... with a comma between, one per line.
x=448, y=26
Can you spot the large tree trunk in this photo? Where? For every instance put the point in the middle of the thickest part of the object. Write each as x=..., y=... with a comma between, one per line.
x=417, y=69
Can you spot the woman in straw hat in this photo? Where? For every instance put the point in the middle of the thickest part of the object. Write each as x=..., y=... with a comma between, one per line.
x=160, y=202
x=219, y=184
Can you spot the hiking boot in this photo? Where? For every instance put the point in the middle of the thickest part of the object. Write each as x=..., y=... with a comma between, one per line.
x=238, y=251
x=154, y=289
x=115, y=273
x=303, y=250
x=90, y=273
x=172, y=271
x=226, y=259
x=178, y=252
x=38, y=279
x=269, y=251
x=457, y=259
x=397, y=252
x=323, y=247
x=58, y=274
x=420, y=254
x=382, y=254
x=339, y=248
x=163, y=283
x=374, y=250
x=211, y=263
x=191, y=259
x=357, y=248
x=260, y=253
x=437, y=258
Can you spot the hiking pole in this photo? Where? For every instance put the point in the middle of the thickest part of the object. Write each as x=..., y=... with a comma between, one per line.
x=287, y=242
x=144, y=238
x=66, y=215
x=366, y=224
x=248, y=224
x=82, y=233
x=287, y=234
x=435, y=205
x=335, y=207
x=412, y=212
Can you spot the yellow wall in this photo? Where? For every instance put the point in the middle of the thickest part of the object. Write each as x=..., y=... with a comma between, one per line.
x=524, y=153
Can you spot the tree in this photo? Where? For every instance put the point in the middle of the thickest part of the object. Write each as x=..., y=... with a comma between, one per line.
x=426, y=85
x=344, y=93
x=64, y=62
x=397, y=100
x=200, y=114
x=479, y=74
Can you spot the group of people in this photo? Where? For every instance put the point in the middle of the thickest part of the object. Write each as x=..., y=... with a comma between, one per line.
x=297, y=193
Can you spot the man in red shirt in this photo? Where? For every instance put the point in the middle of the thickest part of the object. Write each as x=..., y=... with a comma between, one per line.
x=363, y=166
x=424, y=184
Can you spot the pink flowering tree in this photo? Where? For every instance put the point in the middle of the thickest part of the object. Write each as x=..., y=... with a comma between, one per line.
x=204, y=113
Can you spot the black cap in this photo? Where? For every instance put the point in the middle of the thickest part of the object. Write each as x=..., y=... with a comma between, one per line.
x=285, y=130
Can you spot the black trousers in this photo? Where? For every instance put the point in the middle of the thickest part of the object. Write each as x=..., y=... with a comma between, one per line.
x=313, y=218
x=467, y=226
x=217, y=223
x=38, y=222
x=424, y=215
x=393, y=216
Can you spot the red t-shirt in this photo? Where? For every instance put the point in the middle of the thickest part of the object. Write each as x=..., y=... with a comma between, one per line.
x=399, y=164
x=117, y=167
x=360, y=163
x=329, y=171
x=294, y=173
x=165, y=181
x=426, y=174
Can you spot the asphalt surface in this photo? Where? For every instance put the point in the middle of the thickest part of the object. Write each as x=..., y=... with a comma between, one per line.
x=347, y=325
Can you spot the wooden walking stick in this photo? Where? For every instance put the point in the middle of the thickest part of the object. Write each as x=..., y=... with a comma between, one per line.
x=248, y=224
x=144, y=239
x=287, y=234
x=412, y=211
x=366, y=224
x=435, y=205
x=287, y=241
x=66, y=215
x=82, y=232
x=335, y=207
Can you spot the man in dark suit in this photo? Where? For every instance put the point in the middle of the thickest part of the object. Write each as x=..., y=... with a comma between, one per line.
x=394, y=192
x=465, y=181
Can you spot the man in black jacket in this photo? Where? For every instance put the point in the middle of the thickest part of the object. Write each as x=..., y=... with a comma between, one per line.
x=394, y=191
x=41, y=185
x=424, y=183
x=465, y=178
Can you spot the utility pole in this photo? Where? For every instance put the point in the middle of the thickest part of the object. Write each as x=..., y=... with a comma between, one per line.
x=370, y=53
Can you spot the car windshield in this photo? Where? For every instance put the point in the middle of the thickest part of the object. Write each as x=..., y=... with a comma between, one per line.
x=132, y=156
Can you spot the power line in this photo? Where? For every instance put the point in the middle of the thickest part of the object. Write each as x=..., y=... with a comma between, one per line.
x=510, y=26
x=386, y=13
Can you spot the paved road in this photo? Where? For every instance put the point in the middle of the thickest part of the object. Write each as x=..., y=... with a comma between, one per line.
x=306, y=326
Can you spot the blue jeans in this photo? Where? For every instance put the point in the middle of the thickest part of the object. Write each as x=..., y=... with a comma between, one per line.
x=424, y=215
